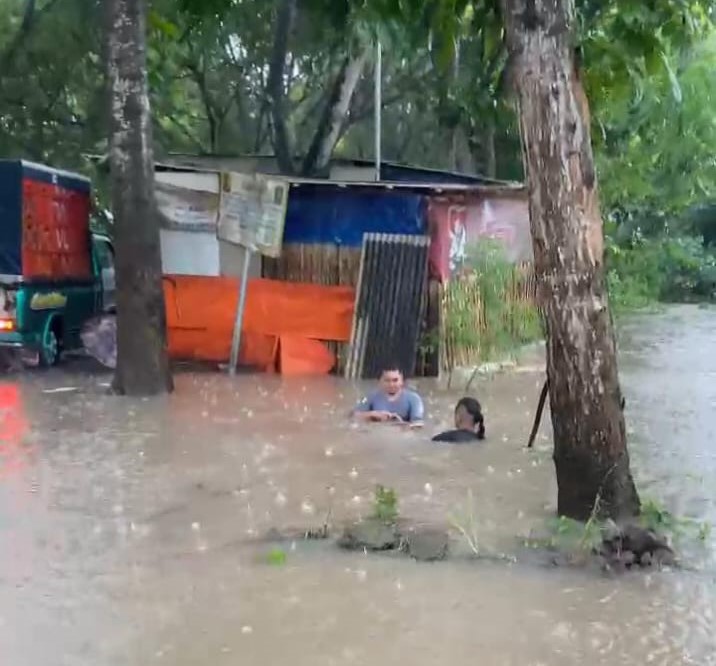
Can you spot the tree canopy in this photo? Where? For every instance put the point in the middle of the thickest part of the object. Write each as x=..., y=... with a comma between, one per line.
x=294, y=78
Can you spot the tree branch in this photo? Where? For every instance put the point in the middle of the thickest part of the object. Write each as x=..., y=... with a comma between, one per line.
x=31, y=16
x=334, y=115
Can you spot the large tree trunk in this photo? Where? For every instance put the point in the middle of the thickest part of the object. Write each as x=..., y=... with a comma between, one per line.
x=331, y=122
x=276, y=85
x=590, y=450
x=142, y=360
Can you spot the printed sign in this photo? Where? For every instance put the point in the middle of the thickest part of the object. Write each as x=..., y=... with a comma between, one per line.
x=252, y=212
x=457, y=222
x=51, y=301
x=186, y=209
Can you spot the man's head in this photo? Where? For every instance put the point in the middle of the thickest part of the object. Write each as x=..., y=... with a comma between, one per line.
x=468, y=416
x=391, y=380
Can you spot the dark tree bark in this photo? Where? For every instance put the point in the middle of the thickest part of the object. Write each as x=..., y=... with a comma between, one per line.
x=142, y=360
x=331, y=123
x=590, y=449
x=276, y=84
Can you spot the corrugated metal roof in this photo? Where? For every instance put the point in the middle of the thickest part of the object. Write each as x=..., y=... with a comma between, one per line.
x=429, y=175
x=440, y=187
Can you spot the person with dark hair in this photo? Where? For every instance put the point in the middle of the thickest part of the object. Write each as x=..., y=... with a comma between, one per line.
x=391, y=402
x=469, y=423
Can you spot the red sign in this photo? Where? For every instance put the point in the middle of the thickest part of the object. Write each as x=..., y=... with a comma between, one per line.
x=55, y=231
x=456, y=222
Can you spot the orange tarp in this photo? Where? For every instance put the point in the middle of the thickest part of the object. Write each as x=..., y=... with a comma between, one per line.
x=282, y=321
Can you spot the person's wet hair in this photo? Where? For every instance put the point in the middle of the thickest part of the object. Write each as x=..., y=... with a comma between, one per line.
x=473, y=408
x=392, y=367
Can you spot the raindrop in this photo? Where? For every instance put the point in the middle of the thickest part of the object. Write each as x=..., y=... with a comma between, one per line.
x=428, y=489
x=329, y=452
x=247, y=629
x=195, y=526
x=353, y=473
x=280, y=499
x=490, y=469
x=308, y=507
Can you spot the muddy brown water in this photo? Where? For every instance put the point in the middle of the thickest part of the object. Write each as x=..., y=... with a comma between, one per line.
x=128, y=528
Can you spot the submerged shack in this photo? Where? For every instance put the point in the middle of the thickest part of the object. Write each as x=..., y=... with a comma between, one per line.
x=326, y=223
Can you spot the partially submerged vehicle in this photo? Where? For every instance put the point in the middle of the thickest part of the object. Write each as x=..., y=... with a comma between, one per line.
x=55, y=274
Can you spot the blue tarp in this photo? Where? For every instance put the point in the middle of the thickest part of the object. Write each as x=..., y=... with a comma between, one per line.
x=327, y=214
x=10, y=218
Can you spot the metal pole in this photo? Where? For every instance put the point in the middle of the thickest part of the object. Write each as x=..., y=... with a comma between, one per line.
x=378, y=106
x=236, y=339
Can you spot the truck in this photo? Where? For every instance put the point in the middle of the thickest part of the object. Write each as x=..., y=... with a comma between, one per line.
x=55, y=274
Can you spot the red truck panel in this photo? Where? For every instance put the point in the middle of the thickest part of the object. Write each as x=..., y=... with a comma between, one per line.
x=55, y=231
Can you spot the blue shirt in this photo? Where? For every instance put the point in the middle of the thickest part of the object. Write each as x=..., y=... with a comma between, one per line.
x=408, y=405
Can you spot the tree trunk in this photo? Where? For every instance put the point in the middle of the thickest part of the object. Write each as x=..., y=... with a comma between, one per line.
x=489, y=150
x=276, y=84
x=590, y=451
x=142, y=360
x=331, y=123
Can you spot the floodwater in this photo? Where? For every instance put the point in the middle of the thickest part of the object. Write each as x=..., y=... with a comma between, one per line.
x=130, y=530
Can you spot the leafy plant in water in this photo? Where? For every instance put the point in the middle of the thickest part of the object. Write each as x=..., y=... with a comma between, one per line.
x=276, y=557
x=658, y=519
x=385, y=504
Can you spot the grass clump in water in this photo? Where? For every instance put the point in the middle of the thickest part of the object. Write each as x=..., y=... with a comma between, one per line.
x=385, y=504
x=276, y=557
x=657, y=518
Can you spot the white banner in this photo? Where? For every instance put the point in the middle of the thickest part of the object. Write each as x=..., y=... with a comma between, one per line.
x=186, y=209
x=252, y=212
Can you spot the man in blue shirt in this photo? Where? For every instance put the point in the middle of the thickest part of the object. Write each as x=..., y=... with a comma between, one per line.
x=391, y=402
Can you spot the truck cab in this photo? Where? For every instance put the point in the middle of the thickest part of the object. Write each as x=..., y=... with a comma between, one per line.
x=46, y=318
x=54, y=273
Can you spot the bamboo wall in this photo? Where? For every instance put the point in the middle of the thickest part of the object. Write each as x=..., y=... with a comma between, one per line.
x=320, y=264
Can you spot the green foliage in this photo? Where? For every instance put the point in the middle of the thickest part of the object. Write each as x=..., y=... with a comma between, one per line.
x=643, y=271
x=276, y=557
x=385, y=504
x=655, y=153
x=648, y=70
x=658, y=519
x=484, y=309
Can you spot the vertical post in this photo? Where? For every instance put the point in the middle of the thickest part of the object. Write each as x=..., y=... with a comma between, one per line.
x=378, y=73
x=236, y=339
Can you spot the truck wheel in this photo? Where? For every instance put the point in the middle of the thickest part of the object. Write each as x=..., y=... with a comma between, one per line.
x=50, y=349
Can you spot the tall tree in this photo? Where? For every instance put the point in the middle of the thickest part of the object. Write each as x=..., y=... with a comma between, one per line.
x=590, y=447
x=142, y=359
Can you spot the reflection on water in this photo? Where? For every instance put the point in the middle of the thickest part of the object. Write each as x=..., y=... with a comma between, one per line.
x=128, y=528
